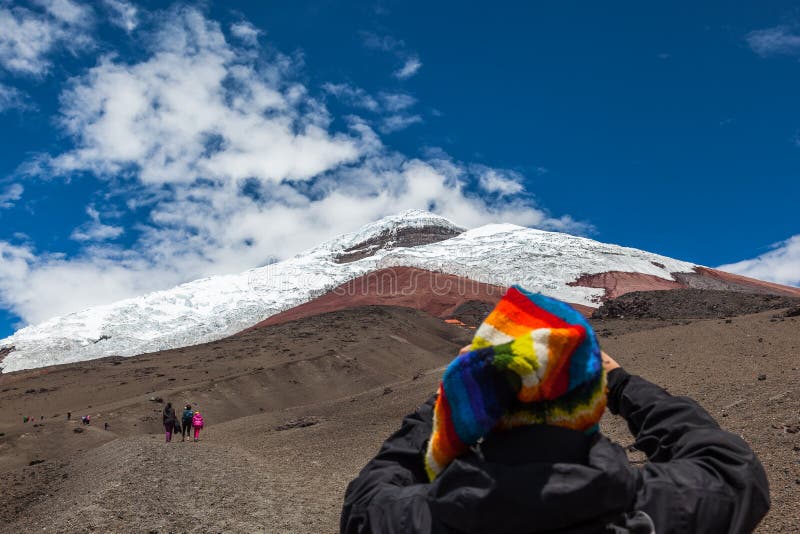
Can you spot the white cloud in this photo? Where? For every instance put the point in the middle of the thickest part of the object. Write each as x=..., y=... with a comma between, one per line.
x=67, y=11
x=397, y=101
x=192, y=111
x=27, y=37
x=352, y=96
x=780, y=265
x=409, y=68
x=124, y=14
x=359, y=98
x=72, y=284
x=385, y=43
x=774, y=41
x=500, y=182
x=234, y=164
x=11, y=98
x=397, y=47
x=24, y=40
x=394, y=123
x=246, y=32
x=11, y=194
x=94, y=230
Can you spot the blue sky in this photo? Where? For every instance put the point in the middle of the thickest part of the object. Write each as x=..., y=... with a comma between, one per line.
x=147, y=143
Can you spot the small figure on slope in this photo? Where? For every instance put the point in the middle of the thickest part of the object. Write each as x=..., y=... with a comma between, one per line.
x=169, y=421
x=197, y=424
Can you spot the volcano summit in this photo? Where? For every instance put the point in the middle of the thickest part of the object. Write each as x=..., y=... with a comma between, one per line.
x=414, y=259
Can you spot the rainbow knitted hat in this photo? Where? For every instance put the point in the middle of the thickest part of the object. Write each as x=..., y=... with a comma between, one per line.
x=534, y=360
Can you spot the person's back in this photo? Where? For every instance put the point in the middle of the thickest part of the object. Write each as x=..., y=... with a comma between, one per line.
x=169, y=420
x=509, y=444
x=197, y=424
x=186, y=421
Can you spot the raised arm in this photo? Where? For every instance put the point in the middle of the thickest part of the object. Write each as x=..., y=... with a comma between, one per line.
x=390, y=493
x=699, y=478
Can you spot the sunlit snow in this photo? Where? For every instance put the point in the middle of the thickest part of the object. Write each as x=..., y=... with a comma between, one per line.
x=212, y=308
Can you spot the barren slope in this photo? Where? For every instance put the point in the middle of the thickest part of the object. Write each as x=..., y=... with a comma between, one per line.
x=267, y=471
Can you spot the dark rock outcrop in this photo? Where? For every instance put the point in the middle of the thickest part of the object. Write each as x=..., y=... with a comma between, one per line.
x=690, y=304
x=397, y=238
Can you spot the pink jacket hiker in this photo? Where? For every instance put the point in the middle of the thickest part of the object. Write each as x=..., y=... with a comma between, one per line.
x=197, y=420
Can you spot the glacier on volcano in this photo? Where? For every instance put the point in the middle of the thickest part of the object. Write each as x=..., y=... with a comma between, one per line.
x=212, y=308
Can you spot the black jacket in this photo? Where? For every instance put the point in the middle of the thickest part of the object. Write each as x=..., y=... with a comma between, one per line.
x=699, y=478
x=169, y=416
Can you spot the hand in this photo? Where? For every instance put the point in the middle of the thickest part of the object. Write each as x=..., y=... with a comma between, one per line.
x=465, y=349
x=609, y=364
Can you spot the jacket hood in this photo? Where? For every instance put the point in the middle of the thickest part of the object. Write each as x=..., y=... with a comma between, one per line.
x=504, y=493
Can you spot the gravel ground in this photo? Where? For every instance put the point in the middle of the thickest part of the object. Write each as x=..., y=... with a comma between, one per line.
x=284, y=469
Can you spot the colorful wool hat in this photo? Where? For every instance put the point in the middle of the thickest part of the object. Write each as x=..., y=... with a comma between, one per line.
x=534, y=360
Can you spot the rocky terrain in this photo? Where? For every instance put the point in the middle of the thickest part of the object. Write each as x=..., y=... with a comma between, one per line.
x=691, y=304
x=295, y=409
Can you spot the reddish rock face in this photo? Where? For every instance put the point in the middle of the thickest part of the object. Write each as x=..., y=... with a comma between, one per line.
x=436, y=293
x=616, y=283
x=442, y=295
x=439, y=294
x=734, y=282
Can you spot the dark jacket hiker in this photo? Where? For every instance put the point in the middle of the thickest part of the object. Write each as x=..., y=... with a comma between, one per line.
x=547, y=478
x=186, y=421
x=170, y=421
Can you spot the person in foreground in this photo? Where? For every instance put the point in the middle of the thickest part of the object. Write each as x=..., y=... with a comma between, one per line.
x=510, y=443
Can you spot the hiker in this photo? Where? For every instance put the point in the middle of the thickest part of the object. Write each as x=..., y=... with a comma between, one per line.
x=25, y=419
x=186, y=422
x=197, y=424
x=510, y=443
x=69, y=416
x=169, y=421
x=86, y=419
x=105, y=425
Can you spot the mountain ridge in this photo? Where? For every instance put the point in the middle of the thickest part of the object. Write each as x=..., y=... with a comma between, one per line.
x=215, y=307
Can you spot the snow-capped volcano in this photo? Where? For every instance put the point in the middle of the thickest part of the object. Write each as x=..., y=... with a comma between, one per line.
x=211, y=308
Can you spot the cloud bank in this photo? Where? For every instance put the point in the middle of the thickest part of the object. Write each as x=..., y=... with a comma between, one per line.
x=27, y=37
x=780, y=265
x=224, y=160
